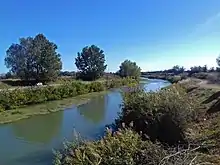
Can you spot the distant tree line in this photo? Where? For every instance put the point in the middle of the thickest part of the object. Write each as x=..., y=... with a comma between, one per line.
x=36, y=58
x=176, y=70
x=68, y=73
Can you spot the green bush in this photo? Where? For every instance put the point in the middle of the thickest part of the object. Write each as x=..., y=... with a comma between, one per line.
x=121, y=148
x=124, y=147
x=159, y=115
x=174, y=79
x=10, y=99
x=96, y=87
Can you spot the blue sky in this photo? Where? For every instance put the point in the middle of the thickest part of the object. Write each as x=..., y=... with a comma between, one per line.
x=157, y=34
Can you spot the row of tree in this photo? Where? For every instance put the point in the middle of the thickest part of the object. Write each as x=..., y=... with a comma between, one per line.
x=37, y=58
x=195, y=69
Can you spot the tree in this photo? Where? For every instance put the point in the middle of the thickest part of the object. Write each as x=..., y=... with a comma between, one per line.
x=68, y=73
x=217, y=69
x=196, y=69
x=34, y=58
x=8, y=75
x=129, y=68
x=91, y=62
x=205, y=68
x=218, y=60
x=212, y=69
x=177, y=69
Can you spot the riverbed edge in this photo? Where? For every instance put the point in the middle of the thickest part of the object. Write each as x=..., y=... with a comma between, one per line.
x=20, y=114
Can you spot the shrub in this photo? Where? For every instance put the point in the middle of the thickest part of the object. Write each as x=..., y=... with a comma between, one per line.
x=213, y=78
x=10, y=99
x=184, y=75
x=122, y=147
x=159, y=115
x=96, y=87
x=174, y=79
x=200, y=75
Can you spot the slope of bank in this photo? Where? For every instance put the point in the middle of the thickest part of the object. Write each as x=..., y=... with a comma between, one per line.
x=207, y=128
x=46, y=108
x=23, y=103
x=189, y=110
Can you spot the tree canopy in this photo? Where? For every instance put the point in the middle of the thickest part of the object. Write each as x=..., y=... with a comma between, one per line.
x=91, y=62
x=68, y=73
x=129, y=68
x=218, y=60
x=177, y=69
x=34, y=58
x=197, y=69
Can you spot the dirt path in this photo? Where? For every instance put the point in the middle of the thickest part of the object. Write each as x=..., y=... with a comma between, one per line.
x=206, y=84
x=202, y=83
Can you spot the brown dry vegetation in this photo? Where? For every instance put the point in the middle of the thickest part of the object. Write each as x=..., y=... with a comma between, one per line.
x=207, y=128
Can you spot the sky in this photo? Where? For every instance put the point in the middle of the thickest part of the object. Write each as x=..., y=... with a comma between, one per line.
x=156, y=34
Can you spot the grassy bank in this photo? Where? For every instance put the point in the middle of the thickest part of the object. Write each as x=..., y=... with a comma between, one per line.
x=182, y=121
x=17, y=98
x=46, y=108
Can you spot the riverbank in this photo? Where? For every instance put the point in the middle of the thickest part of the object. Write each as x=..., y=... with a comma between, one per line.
x=46, y=108
x=207, y=127
x=171, y=78
x=12, y=99
x=195, y=111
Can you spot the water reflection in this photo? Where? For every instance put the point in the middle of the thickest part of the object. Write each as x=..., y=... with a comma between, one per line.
x=89, y=120
x=94, y=111
x=30, y=141
x=37, y=129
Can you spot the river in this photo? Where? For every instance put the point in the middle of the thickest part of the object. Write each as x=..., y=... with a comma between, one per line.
x=30, y=141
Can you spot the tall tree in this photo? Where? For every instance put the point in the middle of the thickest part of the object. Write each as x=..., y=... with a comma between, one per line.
x=34, y=58
x=91, y=62
x=129, y=69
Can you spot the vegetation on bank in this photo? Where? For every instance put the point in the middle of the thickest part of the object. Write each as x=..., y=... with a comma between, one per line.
x=173, y=126
x=10, y=99
x=35, y=60
x=178, y=73
x=159, y=115
x=178, y=125
x=47, y=107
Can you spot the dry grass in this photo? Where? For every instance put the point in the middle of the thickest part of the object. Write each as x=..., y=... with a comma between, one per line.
x=207, y=128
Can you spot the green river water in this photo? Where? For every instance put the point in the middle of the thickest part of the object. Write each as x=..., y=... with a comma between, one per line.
x=30, y=141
